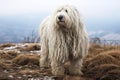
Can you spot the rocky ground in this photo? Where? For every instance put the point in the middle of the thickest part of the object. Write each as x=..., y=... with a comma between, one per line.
x=21, y=62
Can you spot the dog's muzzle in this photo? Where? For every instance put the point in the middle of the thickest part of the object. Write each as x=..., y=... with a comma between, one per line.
x=61, y=18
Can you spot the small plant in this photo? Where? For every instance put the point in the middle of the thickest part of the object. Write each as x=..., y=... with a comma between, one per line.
x=32, y=38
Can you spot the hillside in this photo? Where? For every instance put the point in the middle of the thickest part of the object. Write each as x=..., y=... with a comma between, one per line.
x=21, y=62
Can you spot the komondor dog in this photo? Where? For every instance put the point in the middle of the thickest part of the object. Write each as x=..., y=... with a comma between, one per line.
x=63, y=38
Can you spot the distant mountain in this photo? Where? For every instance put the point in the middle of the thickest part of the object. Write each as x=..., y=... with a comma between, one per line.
x=104, y=35
x=112, y=36
x=97, y=33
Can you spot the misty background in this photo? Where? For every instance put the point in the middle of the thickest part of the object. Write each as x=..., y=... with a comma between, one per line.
x=19, y=18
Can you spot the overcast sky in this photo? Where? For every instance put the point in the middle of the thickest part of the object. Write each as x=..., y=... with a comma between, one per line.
x=97, y=14
x=88, y=8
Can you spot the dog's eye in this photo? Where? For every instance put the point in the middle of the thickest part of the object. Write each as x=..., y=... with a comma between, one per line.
x=66, y=10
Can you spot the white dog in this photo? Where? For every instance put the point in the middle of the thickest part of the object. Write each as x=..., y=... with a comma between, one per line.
x=63, y=38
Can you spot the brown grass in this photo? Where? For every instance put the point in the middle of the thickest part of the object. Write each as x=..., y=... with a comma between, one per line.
x=110, y=76
x=73, y=78
x=4, y=65
x=95, y=49
x=98, y=48
x=32, y=47
x=95, y=46
x=26, y=59
x=10, y=54
x=2, y=46
x=114, y=53
x=102, y=65
x=28, y=71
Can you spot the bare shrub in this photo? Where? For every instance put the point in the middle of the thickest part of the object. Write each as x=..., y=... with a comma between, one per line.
x=32, y=38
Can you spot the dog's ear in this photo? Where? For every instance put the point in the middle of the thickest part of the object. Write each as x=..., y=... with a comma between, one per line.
x=83, y=41
x=78, y=21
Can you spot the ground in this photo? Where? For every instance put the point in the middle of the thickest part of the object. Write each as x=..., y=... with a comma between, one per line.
x=21, y=62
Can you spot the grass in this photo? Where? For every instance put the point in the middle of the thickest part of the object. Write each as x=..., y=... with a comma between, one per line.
x=32, y=47
x=2, y=46
x=26, y=59
x=102, y=63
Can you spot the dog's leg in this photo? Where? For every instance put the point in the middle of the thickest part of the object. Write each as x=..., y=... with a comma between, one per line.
x=44, y=54
x=75, y=67
x=43, y=59
x=57, y=68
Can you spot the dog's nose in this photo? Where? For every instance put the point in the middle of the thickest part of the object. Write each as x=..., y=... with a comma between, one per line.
x=60, y=17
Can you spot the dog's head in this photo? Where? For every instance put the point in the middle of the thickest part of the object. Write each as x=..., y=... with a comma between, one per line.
x=66, y=16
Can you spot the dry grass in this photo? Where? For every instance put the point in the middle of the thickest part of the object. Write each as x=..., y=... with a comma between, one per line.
x=95, y=49
x=32, y=47
x=6, y=45
x=10, y=54
x=28, y=71
x=3, y=65
x=95, y=46
x=114, y=53
x=103, y=65
x=74, y=78
x=26, y=59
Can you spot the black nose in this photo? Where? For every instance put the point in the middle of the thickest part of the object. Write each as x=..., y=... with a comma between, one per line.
x=60, y=17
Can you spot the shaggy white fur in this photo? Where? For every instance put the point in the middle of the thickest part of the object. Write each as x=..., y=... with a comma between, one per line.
x=63, y=38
